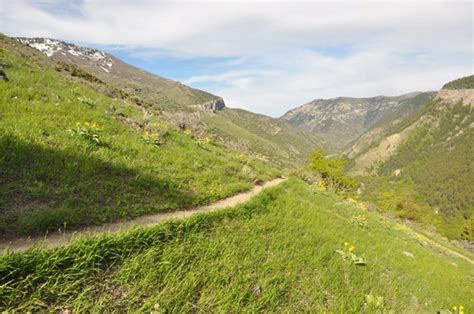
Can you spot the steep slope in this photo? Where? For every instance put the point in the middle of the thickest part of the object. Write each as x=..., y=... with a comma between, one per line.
x=290, y=249
x=264, y=137
x=188, y=108
x=458, y=90
x=381, y=130
x=342, y=120
x=154, y=89
x=424, y=166
x=72, y=156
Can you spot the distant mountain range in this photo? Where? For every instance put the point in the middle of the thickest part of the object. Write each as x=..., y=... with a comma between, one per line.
x=340, y=121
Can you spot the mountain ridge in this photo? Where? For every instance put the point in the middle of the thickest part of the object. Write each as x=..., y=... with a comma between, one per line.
x=136, y=81
x=421, y=169
x=342, y=120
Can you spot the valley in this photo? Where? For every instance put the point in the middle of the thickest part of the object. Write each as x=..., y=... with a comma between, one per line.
x=124, y=191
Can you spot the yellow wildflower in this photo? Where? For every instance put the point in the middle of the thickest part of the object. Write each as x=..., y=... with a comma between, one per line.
x=350, y=199
x=362, y=206
x=346, y=244
x=351, y=248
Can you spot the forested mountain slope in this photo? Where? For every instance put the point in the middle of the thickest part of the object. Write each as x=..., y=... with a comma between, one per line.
x=426, y=172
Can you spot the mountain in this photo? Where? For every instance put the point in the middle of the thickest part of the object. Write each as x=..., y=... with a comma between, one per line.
x=422, y=168
x=158, y=91
x=77, y=150
x=342, y=120
x=272, y=139
x=187, y=108
x=73, y=156
x=382, y=140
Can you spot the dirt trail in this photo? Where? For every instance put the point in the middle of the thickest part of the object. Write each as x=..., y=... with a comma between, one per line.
x=426, y=240
x=59, y=239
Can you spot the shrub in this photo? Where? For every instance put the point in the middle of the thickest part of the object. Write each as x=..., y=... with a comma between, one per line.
x=331, y=171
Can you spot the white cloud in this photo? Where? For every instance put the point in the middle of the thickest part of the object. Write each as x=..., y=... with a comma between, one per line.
x=361, y=75
x=283, y=53
x=232, y=75
x=245, y=28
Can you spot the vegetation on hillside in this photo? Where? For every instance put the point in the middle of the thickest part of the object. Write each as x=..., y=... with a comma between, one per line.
x=264, y=137
x=435, y=181
x=254, y=134
x=331, y=170
x=72, y=156
x=466, y=82
x=293, y=248
x=392, y=123
x=76, y=151
x=341, y=121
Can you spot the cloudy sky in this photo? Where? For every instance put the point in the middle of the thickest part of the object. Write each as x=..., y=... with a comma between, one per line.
x=267, y=56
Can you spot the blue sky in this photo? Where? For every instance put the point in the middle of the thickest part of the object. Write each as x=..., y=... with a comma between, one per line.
x=268, y=56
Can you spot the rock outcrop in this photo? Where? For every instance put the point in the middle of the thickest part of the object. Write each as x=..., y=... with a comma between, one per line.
x=213, y=105
x=455, y=95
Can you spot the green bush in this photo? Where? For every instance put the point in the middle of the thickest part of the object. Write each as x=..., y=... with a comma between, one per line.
x=331, y=170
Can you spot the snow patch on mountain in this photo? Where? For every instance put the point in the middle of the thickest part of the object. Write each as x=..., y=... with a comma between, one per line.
x=51, y=46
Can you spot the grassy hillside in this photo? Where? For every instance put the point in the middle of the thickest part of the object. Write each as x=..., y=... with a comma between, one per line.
x=261, y=136
x=461, y=83
x=159, y=91
x=154, y=89
x=276, y=253
x=266, y=138
x=435, y=181
x=72, y=156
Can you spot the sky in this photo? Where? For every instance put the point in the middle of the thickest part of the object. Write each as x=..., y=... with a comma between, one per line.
x=268, y=56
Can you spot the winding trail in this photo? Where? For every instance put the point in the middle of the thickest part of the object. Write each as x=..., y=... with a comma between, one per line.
x=423, y=239
x=58, y=239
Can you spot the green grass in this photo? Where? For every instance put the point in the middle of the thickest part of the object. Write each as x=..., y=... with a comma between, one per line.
x=276, y=253
x=72, y=156
x=273, y=139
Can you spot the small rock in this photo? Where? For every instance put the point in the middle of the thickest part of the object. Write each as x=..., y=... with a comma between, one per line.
x=257, y=289
x=408, y=254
